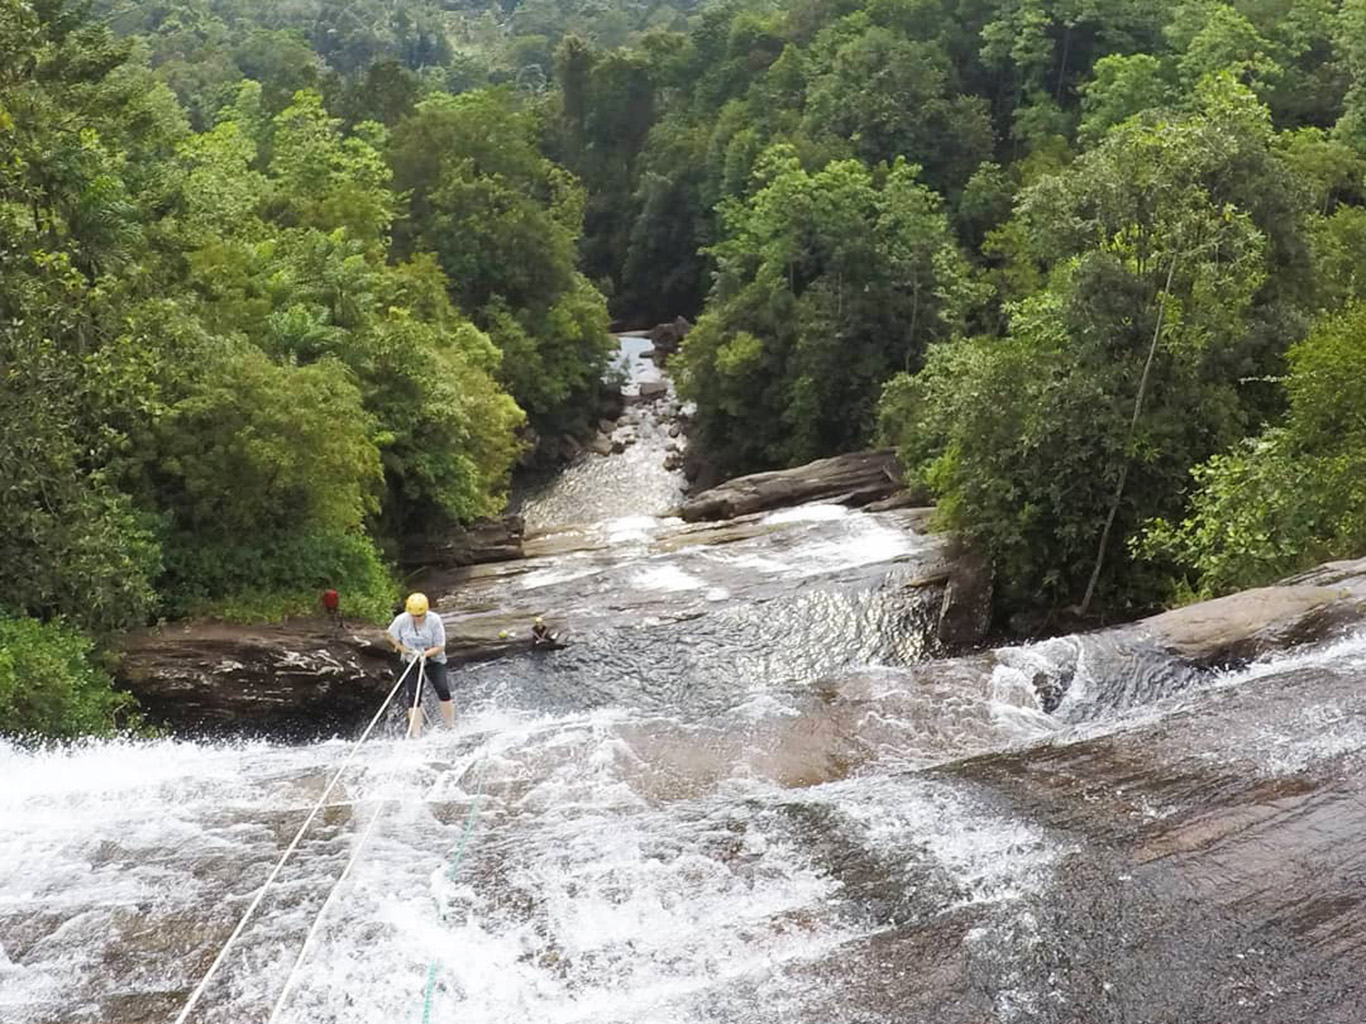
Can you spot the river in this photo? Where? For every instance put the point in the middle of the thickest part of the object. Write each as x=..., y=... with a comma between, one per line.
x=748, y=791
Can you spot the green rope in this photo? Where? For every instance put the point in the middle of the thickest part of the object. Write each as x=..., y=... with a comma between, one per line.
x=457, y=856
x=431, y=986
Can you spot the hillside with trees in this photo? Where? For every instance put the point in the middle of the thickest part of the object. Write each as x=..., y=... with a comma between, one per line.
x=280, y=283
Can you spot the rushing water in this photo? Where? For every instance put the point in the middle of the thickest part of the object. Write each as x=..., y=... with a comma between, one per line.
x=747, y=792
x=636, y=481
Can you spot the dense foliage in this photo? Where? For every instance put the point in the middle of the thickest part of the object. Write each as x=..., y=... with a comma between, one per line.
x=1293, y=495
x=280, y=283
x=51, y=684
x=826, y=284
x=227, y=381
x=1120, y=220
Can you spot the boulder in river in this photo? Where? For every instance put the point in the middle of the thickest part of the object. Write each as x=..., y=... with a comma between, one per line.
x=965, y=613
x=667, y=338
x=569, y=449
x=854, y=479
x=648, y=391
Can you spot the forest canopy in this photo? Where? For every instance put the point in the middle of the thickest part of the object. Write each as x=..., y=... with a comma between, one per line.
x=279, y=283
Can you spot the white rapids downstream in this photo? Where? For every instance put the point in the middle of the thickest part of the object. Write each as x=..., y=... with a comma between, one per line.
x=727, y=802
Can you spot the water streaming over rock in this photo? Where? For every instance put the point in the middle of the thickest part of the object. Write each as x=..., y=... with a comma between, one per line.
x=747, y=792
x=634, y=481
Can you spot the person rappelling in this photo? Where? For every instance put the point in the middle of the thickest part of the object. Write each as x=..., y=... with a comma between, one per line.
x=418, y=633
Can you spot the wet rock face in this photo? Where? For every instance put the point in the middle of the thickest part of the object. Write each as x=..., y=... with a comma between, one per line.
x=215, y=677
x=965, y=614
x=854, y=479
x=299, y=679
x=1242, y=626
x=1211, y=864
x=486, y=540
x=1178, y=648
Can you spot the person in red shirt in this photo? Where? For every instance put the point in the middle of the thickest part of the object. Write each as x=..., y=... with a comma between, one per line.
x=332, y=603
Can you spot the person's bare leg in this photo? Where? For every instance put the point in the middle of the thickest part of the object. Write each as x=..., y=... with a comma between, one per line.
x=448, y=712
x=414, y=722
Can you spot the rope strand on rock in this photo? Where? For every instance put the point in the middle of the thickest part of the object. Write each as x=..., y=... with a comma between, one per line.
x=289, y=851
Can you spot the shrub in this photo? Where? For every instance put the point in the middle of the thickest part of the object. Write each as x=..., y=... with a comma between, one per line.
x=265, y=580
x=50, y=684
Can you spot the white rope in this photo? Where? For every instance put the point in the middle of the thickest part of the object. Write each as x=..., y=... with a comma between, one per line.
x=317, y=921
x=350, y=863
x=222, y=953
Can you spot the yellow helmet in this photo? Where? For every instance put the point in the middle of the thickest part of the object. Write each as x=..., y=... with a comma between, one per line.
x=416, y=604
x=540, y=621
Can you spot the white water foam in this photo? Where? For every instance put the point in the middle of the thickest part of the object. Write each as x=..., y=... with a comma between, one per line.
x=538, y=578
x=856, y=540
x=807, y=514
x=668, y=578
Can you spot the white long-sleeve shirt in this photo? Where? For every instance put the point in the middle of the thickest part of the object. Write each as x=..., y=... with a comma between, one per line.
x=432, y=633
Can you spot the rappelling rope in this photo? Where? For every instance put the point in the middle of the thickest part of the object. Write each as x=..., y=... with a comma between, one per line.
x=256, y=902
x=457, y=855
x=350, y=863
x=317, y=921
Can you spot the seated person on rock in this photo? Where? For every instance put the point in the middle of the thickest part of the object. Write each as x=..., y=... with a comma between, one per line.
x=542, y=638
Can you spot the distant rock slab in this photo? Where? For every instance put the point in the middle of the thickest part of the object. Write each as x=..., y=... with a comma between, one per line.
x=855, y=479
x=1303, y=609
x=915, y=499
x=304, y=677
x=497, y=539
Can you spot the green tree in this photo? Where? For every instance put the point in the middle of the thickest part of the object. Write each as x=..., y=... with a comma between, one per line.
x=827, y=284
x=260, y=447
x=503, y=223
x=386, y=94
x=1128, y=368
x=50, y=684
x=892, y=96
x=1294, y=495
x=72, y=248
x=1350, y=47
x=305, y=294
x=1124, y=85
x=326, y=180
